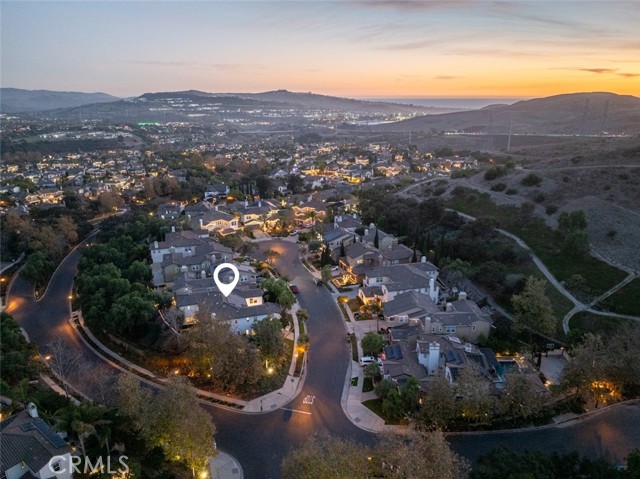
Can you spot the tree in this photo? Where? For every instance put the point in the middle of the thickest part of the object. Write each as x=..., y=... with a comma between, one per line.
x=221, y=357
x=63, y=361
x=439, y=406
x=16, y=354
x=533, y=309
x=326, y=274
x=417, y=455
x=372, y=344
x=38, y=268
x=324, y=456
x=295, y=183
x=269, y=338
x=376, y=240
x=67, y=229
x=573, y=221
x=372, y=370
x=109, y=201
x=473, y=391
x=519, y=398
x=342, y=250
x=576, y=244
x=171, y=420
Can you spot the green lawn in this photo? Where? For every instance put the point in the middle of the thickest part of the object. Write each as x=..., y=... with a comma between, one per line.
x=586, y=322
x=375, y=405
x=546, y=242
x=624, y=301
x=367, y=385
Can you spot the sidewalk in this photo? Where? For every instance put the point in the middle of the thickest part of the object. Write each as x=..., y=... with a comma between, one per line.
x=225, y=466
x=352, y=396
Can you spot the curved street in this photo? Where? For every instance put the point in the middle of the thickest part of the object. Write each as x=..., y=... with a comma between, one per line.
x=260, y=441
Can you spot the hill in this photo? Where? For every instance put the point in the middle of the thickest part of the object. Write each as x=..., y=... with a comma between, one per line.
x=250, y=108
x=15, y=100
x=569, y=114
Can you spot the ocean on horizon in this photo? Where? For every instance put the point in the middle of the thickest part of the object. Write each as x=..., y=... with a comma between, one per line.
x=439, y=102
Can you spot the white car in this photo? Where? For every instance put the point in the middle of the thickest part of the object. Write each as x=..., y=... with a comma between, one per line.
x=364, y=360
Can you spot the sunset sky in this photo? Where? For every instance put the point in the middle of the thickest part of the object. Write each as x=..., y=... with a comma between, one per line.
x=391, y=48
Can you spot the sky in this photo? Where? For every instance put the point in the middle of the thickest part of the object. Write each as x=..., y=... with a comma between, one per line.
x=379, y=48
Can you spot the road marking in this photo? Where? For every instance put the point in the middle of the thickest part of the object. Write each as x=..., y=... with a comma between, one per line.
x=296, y=410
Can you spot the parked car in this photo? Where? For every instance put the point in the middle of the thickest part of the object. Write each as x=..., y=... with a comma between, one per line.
x=294, y=232
x=364, y=360
x=294, y=289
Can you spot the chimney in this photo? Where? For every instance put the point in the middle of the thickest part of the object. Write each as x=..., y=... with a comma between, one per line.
x=468, y=348
x=462, y=295
x=32, y=410
x=216, y=208
x=309, y=198
x=155, y=245
x=434, y=358
x=366, y=231
x=423, y=259
x=355, y=216
x=259, y=203
x=449, y=308
x=200, y=221
x=173, y=229
x=246, y=204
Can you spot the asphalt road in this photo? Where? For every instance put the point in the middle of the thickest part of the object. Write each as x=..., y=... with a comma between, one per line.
x=260, y=442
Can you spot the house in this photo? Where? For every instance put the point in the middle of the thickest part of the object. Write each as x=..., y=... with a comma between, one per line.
x=216, y=222
x=334, y=237
x=216, y=190
x=185, y=252
x=31, y=449
x=401, y=278
x=306, y=214
x=241, y=309
x=169, y=211
x=406, y=306
x=258, y=215
x=462, y=317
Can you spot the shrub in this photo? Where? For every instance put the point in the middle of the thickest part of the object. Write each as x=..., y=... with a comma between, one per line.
x=494, y=172
x=538, y=197
x=531, y=180
x=499, y=187
x=511, y=191
x=566, y=179
x=551, y=209
x=439, y=190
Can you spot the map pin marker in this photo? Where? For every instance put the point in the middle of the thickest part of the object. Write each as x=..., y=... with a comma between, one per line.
x=226, y=288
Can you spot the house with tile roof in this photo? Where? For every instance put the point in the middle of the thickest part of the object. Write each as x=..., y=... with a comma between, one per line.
x=31, y=449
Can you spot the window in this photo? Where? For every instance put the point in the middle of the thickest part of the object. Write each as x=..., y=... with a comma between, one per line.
x=433, y=329
x=440, y=328
x=473, y=327
x=253, y=300
x=450, y=329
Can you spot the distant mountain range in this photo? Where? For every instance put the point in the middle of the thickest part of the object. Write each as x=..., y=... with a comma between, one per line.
x=15, y=100
x=569, y=114
x=189, y=105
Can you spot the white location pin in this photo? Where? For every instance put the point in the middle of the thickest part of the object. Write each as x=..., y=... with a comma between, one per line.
x=226, y=288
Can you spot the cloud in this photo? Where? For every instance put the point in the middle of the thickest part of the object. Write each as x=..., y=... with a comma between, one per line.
x=412, y=45
x=162, y=63
x=409, y=5
x=446, y=77
x=596, y=70
x=628, y=75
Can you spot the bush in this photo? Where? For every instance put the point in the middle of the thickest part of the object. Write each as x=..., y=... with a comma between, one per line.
x=499, y=187
x=439, y=190
x=531, y=180
x=511, y=191
x=538, y=197
x=551, y=209
x=494, y=172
